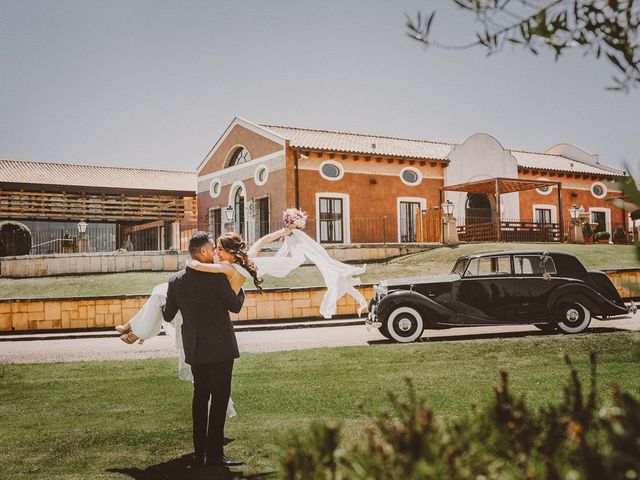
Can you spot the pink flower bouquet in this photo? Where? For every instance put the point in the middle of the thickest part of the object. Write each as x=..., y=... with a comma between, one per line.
x=294, y=218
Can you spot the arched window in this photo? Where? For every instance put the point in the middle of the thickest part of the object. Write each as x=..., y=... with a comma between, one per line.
x=241, y=155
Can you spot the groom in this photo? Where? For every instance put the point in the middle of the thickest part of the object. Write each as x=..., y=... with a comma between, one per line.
x=210, y=346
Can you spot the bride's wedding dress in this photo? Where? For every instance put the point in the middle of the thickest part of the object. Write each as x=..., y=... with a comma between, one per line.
x=299, y=247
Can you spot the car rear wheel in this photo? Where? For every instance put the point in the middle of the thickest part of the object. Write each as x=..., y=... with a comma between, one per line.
x=573, y=317
x=404, y=324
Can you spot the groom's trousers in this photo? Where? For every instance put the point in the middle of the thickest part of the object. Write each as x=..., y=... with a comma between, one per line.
x=211, y=381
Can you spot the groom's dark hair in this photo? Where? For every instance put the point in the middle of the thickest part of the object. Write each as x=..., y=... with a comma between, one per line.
x=198, y=240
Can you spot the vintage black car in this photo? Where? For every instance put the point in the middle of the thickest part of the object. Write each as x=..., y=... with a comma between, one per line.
x=551, y=290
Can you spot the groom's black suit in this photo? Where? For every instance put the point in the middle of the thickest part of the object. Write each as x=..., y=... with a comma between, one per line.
x=210, y=346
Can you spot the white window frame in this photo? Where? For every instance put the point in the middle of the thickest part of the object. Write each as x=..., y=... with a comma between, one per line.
x=604, y=190
x=215, y=181
x=257, y=181
x=346, y=215
x=421, y=201
x=414, y=170
x=338, y=165
x=553, y=208
x=607, y=216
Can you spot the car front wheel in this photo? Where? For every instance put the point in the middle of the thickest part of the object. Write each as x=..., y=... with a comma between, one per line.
x=573, y=317
x=404, y=324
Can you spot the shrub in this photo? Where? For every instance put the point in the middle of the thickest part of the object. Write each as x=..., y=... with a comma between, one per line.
x=601, y=236
x=15, y=239
x=587, y=231
x=619, y=235
x=575, y=438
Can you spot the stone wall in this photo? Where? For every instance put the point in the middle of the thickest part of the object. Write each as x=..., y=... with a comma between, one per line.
x=84, y=263
x=273, y=304
x=80, y=313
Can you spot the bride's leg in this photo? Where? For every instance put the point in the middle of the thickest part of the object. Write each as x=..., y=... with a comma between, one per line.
x=130, y=338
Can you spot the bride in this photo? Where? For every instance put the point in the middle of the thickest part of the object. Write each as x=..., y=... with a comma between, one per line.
x=239, y=265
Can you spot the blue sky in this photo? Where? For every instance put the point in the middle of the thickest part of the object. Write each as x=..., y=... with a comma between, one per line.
x=154, y=83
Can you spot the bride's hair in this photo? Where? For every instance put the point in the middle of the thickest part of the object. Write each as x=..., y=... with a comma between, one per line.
x=235, y=245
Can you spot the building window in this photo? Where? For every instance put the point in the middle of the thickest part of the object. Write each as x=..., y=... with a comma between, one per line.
x=411, y=176
x=262, y=216
x=331, y=220
x=598, y=190
x=542, y=215
x=408, y=214
x=215, y=222
x=215, y=188
x=544, y=190
x=331, y=170
x=601, y=219
x=261, y=175
x=241, y=155
x=238, y=206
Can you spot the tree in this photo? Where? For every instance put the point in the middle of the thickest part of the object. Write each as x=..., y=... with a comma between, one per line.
x=597, y=27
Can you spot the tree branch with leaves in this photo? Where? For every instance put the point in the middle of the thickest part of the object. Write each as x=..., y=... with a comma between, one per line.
x=599, y=28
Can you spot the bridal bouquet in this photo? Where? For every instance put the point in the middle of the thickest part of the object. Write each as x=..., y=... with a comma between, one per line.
x=294, y=218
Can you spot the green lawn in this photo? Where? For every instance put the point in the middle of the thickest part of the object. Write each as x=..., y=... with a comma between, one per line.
x=434, y=261
x=91, y=419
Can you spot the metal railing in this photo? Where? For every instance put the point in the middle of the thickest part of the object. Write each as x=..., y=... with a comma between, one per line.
x=482, y=229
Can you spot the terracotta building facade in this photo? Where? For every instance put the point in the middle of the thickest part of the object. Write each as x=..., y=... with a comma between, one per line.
x=360, y=188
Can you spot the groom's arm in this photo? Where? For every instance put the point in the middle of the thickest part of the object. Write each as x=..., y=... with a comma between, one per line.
x=171, y=307
x=230, y=300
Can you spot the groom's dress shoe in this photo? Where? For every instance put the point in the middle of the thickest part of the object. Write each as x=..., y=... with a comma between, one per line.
x=195, y=459
x=223, y=461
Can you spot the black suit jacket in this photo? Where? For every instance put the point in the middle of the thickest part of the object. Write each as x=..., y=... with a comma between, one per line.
x=204, y=299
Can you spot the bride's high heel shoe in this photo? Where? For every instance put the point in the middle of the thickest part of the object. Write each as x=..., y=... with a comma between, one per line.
x=130, y=338
x=123, y=328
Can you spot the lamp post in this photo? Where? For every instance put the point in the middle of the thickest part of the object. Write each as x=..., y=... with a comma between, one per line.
x=449, y=227
x=230, y=214
x=83, y=239
x=576, y=226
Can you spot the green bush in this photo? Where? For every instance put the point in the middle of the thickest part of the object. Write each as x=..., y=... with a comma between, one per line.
x=619, y=235
x=15, y=239
x=506, y=439
x=587, y=231
x=599, y=236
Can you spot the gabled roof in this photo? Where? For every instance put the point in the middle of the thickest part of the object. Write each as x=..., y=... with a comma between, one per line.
x=546, y=161
x=366, y=144
x=358, y=143
x=90, y=176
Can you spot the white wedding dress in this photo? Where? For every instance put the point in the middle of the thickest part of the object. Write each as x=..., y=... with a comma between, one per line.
x=339, y=279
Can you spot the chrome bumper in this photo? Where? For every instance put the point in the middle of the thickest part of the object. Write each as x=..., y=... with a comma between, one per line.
x=372, y=318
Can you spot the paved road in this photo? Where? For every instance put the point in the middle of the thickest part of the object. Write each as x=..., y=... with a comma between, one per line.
x=111, y=348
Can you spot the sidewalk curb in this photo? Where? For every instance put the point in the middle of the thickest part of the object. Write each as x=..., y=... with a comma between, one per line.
x=29, y=337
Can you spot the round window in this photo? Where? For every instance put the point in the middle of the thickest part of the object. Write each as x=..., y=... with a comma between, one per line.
x=261, y=175
x=544, y=190
x=331, y=170
x=410, y=176
x=215, y=188
x=598, y=190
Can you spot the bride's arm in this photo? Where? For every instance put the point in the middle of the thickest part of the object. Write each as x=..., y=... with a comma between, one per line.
x=211, y=267
x=271, y=237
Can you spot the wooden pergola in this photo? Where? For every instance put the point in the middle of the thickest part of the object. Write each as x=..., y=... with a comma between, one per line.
x=499, y=186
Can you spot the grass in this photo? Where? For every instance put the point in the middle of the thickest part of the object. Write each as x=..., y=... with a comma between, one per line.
x=436, y=261
x=92, y=419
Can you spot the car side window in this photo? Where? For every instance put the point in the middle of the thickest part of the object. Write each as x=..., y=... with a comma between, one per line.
x=534, y=264
x=487, y=266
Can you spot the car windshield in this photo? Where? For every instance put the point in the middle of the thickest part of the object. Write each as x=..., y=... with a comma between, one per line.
x=459, y=266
